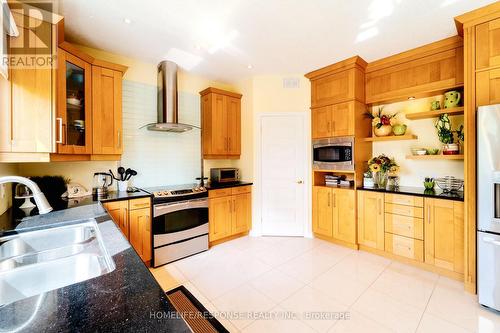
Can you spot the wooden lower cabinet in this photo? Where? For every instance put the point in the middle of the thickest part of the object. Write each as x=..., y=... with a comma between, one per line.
x=404, y=246
x=140, y=232
x=371, y=219
x=133, y=217
x=444, y=234
x=230, y=212
x=334, y=213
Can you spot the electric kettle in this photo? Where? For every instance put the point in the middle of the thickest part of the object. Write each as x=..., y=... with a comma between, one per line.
x=102, y=181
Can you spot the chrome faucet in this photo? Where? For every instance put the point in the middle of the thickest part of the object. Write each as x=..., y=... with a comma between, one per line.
x=40, y=200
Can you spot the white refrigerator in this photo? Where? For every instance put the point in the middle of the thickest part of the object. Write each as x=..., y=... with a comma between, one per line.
x=488, y=206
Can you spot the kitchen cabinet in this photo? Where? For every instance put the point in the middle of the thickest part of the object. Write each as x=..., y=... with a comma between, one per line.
x=488, y=44
x=338, y=83
x=334, y=213
x=230, y=212
x=107, y=131
x=89, y=107
x=333, y=120
x=488, y=87
x=444, y=234
x=371, y=219
x=133, y=217
x=27, y=98
x=74, y=105
x=423, y=71
x=221, y=122
x=140, y=232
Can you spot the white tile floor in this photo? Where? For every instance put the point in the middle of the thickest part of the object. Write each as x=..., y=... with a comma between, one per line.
x=305, y=278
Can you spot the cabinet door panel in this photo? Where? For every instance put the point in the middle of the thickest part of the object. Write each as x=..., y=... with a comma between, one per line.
x=488, y=87
x=488, y=44
x=241, y=213
x=371, y=219
x=444, y=234
x=344, y=216
x=78, y=87
x=323, y=211
x=32, y=108
x=219, y=125
x=107, y=111
x=219, y=218
x=234, y=126
x=140, y=232
x=321, y=119
x=343, y=119
x=332, y=89
x=119, y=213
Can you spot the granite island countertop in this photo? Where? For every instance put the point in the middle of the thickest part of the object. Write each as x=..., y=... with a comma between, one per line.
x=418, y=191
x=126, y=299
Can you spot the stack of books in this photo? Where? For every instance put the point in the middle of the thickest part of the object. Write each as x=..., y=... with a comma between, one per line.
x=331, y=180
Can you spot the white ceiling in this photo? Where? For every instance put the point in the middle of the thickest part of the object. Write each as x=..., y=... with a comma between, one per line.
x=221, y=38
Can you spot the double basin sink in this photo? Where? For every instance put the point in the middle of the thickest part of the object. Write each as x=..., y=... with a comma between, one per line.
x=35, y=262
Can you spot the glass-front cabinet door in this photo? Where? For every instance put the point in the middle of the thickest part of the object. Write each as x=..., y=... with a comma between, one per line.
x=73, y=122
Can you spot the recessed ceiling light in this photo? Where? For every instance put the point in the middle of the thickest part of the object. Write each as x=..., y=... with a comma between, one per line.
x=249, y=66
x=127, y=20
x=411, y=98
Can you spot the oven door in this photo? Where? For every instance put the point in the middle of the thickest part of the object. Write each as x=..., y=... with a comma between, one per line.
x=178, y=221
x=333, y=154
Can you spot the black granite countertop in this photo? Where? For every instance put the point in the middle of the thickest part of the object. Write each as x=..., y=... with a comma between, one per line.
x=419, y=191
x=126, y=299
x=215, y=186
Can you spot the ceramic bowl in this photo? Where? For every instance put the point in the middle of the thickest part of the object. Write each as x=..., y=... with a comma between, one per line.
x=419, y=151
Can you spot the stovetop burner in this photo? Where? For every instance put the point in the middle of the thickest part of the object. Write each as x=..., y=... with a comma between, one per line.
x=176, y=192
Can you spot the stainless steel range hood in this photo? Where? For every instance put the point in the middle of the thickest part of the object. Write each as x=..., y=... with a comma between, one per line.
x=168, y=120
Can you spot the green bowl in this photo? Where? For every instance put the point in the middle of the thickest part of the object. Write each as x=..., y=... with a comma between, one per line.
x=433, y=151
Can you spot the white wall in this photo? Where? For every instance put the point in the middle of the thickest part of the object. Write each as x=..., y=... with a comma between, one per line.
x=413, y=172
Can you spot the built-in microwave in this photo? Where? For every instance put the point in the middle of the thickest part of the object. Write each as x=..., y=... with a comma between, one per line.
x=333, y=153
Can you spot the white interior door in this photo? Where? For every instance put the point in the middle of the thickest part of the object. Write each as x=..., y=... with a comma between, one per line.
x=283, y=160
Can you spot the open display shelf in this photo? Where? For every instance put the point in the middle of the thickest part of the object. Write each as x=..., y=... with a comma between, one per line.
x=319, y=178
x=436, y=113
x=392, y=138
x=435, y=157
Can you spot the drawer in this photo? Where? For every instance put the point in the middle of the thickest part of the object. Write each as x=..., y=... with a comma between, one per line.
x=406, y=200
x=408, y=226
x=404, y=247
x=112, y=205
x=241, y=189
x=222, y=192
x=139, y=203
x=404, y=210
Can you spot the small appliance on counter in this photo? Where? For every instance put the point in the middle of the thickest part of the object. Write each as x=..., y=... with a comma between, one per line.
x=102, y=181
x=224, y=175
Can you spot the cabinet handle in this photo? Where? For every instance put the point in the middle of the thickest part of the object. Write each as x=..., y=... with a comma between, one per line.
x=229, y=144
x=334, y=200
x=328, y=199
x=60, y=130
x=333, y=126
x=234, y=205
x=379, y=207
x=328, y=126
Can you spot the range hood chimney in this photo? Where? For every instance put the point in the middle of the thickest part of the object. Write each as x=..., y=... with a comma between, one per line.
x=168, y=117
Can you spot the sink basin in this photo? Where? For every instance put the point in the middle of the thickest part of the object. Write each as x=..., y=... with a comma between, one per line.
x=35, y=262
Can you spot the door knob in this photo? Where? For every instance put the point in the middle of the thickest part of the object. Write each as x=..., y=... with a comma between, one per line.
x=300, y=182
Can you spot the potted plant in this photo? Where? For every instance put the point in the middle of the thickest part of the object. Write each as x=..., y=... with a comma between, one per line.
x=445, y=135
x=382, y=123
x=381, y=166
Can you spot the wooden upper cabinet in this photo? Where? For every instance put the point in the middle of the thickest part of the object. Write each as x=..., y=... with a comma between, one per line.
x=337, y=83
x=371, y=219
x=107, y=134
x=444, y=234
x=488, y=87
x=333, y=120
x=419, y=72
x=221, y=121
x=74, y=105
x=488, y=44
x=28, y=97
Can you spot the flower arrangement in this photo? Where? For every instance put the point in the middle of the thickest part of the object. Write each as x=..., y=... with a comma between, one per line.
x=382, y=123
x=381, y=166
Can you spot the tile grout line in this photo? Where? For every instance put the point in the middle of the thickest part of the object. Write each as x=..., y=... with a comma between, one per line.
x=427, y=304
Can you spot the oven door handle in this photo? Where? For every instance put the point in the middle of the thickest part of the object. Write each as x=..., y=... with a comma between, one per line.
x=163, y=209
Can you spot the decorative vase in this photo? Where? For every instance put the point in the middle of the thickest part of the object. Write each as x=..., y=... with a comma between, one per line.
x=383, y=130
x=451, y=149
x=380, y=179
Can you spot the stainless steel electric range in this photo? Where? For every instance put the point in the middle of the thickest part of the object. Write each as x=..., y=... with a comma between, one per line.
x=180, y=222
